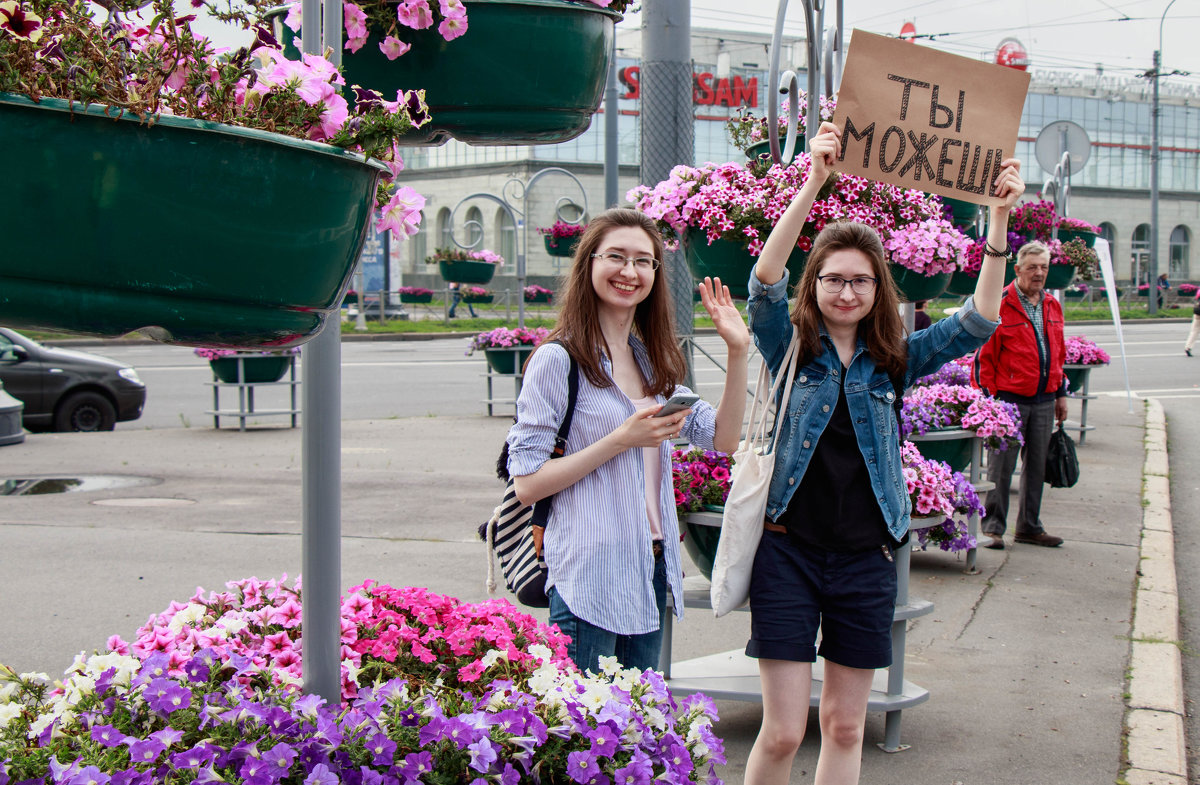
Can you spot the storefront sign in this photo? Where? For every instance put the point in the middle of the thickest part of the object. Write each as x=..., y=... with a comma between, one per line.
x=920, y=118
x=707, y=90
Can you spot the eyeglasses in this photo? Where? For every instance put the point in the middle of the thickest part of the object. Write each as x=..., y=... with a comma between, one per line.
x=834, y=284
x=620, y=260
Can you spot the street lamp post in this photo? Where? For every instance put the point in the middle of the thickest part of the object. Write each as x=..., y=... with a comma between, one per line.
x=1155, y=74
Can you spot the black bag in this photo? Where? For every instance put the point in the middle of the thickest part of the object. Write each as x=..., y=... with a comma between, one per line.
x=514, y=532
x=1062, y=465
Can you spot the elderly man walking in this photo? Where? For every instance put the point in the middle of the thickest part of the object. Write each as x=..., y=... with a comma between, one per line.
x=1022, y=363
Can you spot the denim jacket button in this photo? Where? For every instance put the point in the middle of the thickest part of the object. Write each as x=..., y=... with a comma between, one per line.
x=803, y=379
x=890, y=396
x=806, y=444
x=825, y=408
x=791, y=480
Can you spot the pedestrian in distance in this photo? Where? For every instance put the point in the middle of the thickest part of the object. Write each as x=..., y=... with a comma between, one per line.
x=1023, y=365
x=612, y=539
x=1195, y=331
x=1164, y=285
x=921, y=319
x=838, y=506
x=456, y=293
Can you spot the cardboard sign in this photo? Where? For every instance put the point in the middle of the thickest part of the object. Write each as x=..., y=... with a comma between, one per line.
x=919, y=118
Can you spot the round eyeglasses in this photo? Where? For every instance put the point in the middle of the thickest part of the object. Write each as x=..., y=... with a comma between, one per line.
x=648, y=263
x=834, y=284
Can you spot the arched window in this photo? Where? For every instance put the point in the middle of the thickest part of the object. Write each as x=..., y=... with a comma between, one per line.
x=474, y=227
x=507, y=232
x=418, y=244
x=1140, y=260
x=445, y=237
x=1178, y=252
x=1109, y=232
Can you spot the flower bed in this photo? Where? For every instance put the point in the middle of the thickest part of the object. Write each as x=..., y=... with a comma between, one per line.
x=954, y=373
x=701, y=479
x=934, y=490
x=434, y=690
x=939, y=406
x=928, y=247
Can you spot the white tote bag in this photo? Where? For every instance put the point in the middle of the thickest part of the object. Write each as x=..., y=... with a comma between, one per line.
x=746, y=506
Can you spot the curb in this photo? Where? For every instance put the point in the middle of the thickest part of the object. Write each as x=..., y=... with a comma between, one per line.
x=1156, y=743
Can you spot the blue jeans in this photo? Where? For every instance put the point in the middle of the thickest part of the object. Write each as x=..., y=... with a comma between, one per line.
x=589, y=643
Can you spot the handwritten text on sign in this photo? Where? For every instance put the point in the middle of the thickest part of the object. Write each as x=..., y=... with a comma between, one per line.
x=919, y=118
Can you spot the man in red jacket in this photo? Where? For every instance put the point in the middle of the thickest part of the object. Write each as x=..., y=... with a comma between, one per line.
x=1022, y=363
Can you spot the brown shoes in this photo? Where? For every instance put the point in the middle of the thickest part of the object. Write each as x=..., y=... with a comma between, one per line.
x=1045, y=540
x=996, y=542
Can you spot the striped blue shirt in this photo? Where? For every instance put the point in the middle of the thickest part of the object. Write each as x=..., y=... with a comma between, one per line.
x=597, y=543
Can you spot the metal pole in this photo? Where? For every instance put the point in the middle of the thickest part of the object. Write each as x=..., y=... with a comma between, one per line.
x=667, y=132
x=612, y=160
x=1152, y=291
x=321, y=439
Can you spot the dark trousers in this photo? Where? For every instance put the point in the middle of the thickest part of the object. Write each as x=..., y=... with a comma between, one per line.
x=1037, y=423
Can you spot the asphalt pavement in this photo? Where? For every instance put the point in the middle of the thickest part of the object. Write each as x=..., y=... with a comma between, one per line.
x=1037, y=668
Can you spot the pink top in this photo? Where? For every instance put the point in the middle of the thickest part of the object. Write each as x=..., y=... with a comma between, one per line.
x=652, y=470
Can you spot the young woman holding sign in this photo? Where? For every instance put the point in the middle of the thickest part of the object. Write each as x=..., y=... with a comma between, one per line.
x=838, y=504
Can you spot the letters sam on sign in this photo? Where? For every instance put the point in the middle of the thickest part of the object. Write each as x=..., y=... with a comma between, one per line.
x=920, y=118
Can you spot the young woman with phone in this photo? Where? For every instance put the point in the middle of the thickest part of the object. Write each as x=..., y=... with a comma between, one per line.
x=837, y=505
x=612, y=537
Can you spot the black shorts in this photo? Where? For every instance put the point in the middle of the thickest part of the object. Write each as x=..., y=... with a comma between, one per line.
x=794, y=591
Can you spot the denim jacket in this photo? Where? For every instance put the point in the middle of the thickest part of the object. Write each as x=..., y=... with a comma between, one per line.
x=869, y=394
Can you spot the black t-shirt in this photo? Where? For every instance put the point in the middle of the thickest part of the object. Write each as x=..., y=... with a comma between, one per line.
x=834, y=508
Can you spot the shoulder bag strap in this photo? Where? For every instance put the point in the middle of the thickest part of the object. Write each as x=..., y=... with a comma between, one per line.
x=541, y=510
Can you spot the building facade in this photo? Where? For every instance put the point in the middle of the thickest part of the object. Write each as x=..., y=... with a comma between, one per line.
x=730, y=74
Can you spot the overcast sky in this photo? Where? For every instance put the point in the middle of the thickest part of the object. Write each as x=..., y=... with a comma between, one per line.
x=1059, y=34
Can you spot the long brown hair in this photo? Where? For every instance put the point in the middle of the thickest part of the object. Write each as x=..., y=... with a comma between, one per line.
x=578, y=326
x=881, y=328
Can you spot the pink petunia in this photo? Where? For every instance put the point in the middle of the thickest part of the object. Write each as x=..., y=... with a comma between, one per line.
x=392, y=47
x=452, y=27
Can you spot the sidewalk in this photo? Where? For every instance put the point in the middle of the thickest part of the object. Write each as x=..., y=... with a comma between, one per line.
x=1025, y=662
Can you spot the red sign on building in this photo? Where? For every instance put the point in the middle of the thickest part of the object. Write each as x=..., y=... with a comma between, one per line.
x=707, y=90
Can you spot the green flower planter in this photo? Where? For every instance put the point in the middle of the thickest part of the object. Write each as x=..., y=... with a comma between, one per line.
x=480, y=298
x=1077, y=376
x=508, y=361
x=955, y=451
x=1067, y=235
x=914, y=286
x=560, y=246
x=538, y=298
x=963, y=284
x=700, y=541
x=257, y=369
x=731, y=262
x=416, y=298
x=1070, y=295
x=764, y=147
x=1060, y=276
x=194, y=232
x=961, y=213
x=525, y=72
x=468, y=271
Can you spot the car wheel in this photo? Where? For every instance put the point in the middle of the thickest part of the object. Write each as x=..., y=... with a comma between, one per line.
x=85, y=411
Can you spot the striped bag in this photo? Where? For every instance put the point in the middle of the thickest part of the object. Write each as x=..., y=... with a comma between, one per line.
x=514, y=532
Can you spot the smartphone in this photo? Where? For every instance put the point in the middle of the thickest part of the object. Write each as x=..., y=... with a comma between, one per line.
x=677, y=403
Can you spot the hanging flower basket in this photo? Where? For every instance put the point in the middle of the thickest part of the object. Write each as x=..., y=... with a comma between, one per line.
x=537, y=294
x=952, y=445
x=524, y=72
x=701, y=535
x=963, y=283
x=1088, y=238
x=764, y=147
x=731, y=262
x=466, y=271
x=256, y=368
x=507, y=361
x=1060, y=276
x=416, y=299
x=476, y=294
x=962, y=214
x=913, y=286
x=560, y=246
x=192, y=231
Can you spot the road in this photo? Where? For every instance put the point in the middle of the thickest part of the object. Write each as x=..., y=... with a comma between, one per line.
x=399, y=379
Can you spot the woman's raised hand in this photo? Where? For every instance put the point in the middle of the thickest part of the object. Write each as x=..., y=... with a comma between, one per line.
x=1008, y=184
x=726, y=317
x=825, y=147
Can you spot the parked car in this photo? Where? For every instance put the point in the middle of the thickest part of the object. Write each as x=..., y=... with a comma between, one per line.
x=65, y=390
